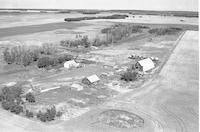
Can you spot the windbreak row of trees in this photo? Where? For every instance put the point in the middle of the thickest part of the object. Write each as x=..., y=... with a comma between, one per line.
x=116, y=16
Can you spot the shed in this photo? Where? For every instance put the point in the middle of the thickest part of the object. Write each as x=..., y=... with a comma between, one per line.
x=90, y=79
x=71, y=63
x=145, y=65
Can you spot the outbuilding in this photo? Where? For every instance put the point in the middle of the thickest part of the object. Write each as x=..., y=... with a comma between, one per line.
x=91, y=79
x=71, y=63
x=145, y=65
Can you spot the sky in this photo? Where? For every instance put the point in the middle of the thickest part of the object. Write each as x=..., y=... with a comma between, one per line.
x=179, y=5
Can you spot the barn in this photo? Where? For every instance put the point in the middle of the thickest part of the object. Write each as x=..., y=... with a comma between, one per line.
x=145, y=65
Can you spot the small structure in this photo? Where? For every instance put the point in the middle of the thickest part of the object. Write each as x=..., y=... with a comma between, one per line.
x=78, y=87
x=71, y=63
x=91, y=79
x=145, y=65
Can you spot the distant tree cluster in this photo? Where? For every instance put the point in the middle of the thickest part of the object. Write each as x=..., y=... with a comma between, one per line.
x=47, y=61
x=11, y=99
x=115, y=16
x=79, y=41
x=49, y=115
x=164, y=31
x=24, y=55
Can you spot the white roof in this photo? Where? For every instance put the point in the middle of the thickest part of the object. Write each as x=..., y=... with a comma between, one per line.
x=147, y=64
x=93, y=78
x=70, y=63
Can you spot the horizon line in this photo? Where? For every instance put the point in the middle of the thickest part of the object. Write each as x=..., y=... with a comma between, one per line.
x=97, y=9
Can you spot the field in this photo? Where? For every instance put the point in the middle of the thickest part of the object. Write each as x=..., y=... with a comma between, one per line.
x=158, y=100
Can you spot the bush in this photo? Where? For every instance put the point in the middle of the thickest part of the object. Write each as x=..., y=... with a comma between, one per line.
x=7, y=105
x=59, y=114
x=49, y=115
x=45, y=62
x=7, y=56
x=16, y=109
x=30, y=97
x=129, y=76
x=29, y=114
x=65, y=57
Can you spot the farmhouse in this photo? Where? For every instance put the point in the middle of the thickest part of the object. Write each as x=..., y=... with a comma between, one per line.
x=90, y=79
x=71, y=63
x=145, y=65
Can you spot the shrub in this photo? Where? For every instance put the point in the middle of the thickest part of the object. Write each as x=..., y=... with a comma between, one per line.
x=65, y=57
x=7, y=56
x=105, y=30
x=30, y=97
x=59, y=114
x=129, y=76
x=85, y=42
x=7, y=105
x=49, y=115
x=45, y=62
x=16, y=109
x=29, y=114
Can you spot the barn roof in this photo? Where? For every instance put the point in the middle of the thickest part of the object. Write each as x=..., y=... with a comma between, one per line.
x=93, y=78
x=147, y=64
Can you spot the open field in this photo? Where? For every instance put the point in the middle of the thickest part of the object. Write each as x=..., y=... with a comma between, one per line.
x=164, y=98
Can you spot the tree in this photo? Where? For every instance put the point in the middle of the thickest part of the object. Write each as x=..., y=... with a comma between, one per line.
x=44, y=62
x=7, y=105
x=29, y=114
x=30, y=97
x=49, y=115
x=7, y=56
x=59, y=114
x=16, y=109
x=129, y=76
